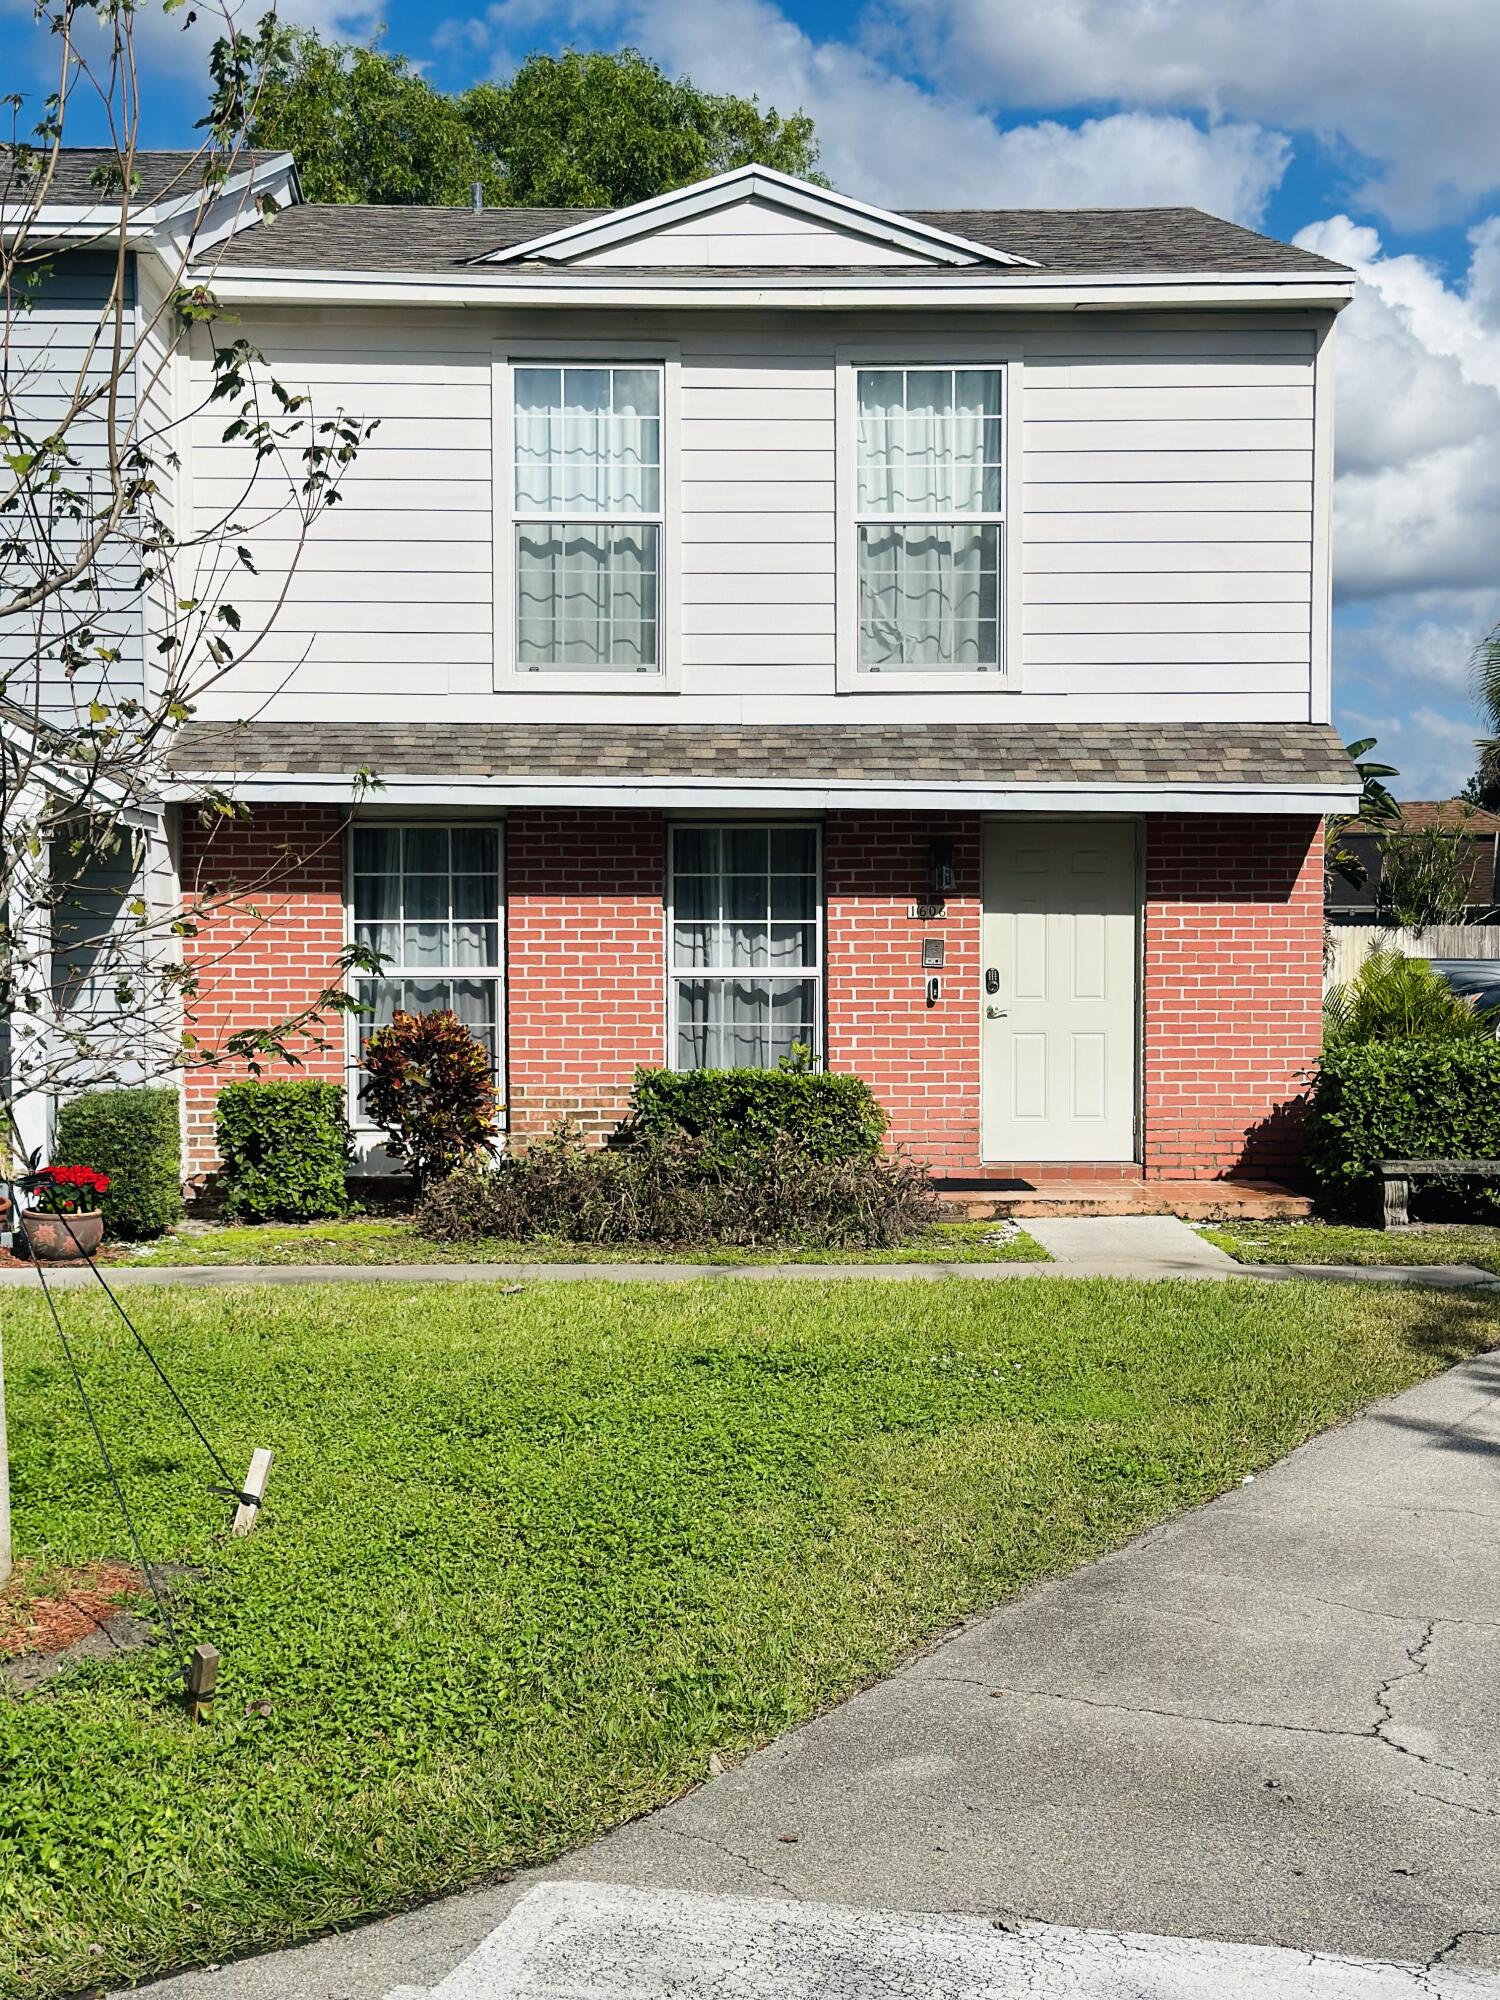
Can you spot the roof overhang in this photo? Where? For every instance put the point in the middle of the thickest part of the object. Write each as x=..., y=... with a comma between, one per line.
x=751, y=183
x=149, y=221
x=770, y=794
x=243, y=284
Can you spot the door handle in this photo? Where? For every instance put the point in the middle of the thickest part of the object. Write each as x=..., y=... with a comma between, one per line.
x=994, y=1013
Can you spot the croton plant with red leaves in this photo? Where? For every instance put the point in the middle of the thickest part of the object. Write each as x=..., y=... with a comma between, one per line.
x=67, y=1190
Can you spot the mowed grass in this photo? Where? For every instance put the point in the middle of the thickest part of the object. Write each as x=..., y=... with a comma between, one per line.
x=383, y=1241
x=529, y=1560
x=1340, y=1243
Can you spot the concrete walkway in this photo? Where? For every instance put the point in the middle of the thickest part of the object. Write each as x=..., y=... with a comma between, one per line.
x=1123, y=1246
x=1270, y=1722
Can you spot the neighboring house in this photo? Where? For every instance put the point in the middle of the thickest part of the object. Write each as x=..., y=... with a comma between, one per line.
x=1358, y=902
x=77, y=287
x=774, y=620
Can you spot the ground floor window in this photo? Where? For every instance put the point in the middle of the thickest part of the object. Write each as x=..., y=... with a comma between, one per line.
x=428, y=899
x=745, y=945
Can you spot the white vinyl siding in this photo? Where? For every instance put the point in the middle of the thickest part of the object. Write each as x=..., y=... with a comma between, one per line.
x=1118, y=523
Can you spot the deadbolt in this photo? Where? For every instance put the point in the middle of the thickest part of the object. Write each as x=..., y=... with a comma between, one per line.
x=991, y=979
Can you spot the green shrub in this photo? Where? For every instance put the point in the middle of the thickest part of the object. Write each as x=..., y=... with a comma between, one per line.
x=134, y=1137
x=284, y=1148
x=1413, y=1100
x=431, y=1084
x=1397, y=999
x=675, y=1189
x=743, y=1111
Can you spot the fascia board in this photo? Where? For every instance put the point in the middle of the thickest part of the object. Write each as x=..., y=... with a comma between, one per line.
x=250, y=285
x=779, y=793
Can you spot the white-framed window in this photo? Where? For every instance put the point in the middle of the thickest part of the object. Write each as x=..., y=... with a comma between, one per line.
x=744, y=944
x=930, y=519
x=428, y=896
x=587, y=517
x=928, y=478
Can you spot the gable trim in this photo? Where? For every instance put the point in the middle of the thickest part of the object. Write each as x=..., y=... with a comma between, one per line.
x=839, y=211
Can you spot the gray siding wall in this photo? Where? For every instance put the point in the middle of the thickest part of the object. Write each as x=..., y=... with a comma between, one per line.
x=48, y=358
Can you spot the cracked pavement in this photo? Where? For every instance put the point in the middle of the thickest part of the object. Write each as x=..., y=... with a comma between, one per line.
x=1272, y=1721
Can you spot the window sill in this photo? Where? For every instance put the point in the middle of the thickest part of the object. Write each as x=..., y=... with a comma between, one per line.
x=862, y=680
x=583, y=680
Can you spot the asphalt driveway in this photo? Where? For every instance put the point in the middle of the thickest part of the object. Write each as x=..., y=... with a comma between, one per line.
x=1272, y=1720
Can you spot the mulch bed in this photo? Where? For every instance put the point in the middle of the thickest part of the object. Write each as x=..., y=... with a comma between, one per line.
x=42, y=1611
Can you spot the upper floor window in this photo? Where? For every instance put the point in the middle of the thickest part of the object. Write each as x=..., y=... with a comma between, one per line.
x=930, y=518
x=588, y=517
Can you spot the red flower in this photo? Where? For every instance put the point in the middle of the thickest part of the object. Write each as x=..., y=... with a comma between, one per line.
x=64, y=1189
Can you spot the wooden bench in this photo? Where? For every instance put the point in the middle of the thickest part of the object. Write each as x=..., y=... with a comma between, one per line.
x=1396, y=1177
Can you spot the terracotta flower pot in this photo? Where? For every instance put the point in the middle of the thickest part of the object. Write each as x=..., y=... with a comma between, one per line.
x=62, y=1239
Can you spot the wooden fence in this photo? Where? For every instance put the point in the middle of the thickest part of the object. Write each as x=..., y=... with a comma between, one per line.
x=1351, y=944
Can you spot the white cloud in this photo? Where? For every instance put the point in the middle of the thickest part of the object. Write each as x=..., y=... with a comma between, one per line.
x=1417, y=498
x=888, y=139
x=1412, y=93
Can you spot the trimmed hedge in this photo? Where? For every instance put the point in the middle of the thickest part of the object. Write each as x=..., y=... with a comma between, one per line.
x=284, y=1148
x=740, y=1112
x=1415, y=1100
x=134, y=1136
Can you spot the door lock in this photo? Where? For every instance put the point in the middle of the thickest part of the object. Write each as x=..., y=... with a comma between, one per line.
x=992, y=979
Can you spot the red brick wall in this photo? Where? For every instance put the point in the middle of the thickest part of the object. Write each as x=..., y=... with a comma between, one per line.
x=1233, y=991
x=585, y=962
x=268, y=944
x=1231, y=1004
x=922, y=1062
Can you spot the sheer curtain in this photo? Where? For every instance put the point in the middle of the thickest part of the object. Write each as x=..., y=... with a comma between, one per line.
x=588, y=444
x=929, y=445
x=745, y=944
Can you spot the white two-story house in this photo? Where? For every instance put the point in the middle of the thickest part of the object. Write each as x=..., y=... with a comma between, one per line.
x=774, y=620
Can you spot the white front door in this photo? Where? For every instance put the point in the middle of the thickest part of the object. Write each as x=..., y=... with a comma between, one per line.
x=1058, y=979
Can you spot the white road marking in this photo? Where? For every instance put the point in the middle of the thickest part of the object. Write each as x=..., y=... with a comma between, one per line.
x=599, y=1941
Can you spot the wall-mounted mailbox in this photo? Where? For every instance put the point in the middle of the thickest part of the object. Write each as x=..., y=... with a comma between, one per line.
x=932, y=953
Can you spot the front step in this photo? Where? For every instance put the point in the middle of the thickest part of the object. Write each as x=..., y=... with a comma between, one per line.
x=1195, y=1201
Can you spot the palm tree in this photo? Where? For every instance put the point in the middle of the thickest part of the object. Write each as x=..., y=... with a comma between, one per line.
x=1485, y=671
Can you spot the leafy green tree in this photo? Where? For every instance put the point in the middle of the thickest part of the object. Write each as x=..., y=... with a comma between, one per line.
x=583, y=129
x=592, y=130
x=1434, y=875
x=365, y=126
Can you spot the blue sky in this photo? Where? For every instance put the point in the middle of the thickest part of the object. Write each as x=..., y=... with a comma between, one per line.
x=1366, y=130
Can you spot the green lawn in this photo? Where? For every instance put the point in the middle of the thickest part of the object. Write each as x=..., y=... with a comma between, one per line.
x=385, y=1242
x=1339, y=1243
x=529, y=1559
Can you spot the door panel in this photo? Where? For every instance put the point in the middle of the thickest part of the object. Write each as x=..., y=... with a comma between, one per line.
x=1059, y=1035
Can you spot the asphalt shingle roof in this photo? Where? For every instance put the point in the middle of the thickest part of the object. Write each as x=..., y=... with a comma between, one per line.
x=158, y=174
x=1294, y=755
x=320, y=236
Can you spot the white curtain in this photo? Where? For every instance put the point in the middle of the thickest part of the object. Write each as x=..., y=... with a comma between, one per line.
x=588, y=442
x=744, y=897
x=929, y=441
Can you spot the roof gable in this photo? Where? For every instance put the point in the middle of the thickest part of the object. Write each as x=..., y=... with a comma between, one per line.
x=753, y=216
